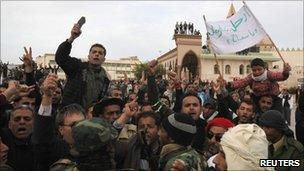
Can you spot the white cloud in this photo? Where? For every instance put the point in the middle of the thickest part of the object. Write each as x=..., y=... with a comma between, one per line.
x=127, y=28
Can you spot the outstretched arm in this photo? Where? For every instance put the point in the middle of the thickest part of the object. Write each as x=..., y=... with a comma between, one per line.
x=152, y=86
x=47, y=148
x=241, y=83
x=63, y=58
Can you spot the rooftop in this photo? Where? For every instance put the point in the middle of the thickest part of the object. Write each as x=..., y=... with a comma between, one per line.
x=266, y=56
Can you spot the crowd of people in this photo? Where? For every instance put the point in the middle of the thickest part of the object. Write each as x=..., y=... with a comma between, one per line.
x=91, y=123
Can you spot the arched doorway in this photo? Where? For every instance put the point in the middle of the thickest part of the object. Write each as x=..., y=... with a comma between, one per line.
x=190, y=65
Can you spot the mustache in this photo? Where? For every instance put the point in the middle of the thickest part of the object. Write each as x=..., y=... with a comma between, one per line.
x=21, y=129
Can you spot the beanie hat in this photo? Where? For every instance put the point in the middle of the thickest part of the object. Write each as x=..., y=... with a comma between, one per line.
x=180, y=127
x=92, y=135
x=274, y=119
x=257, y=62
x=222, y=122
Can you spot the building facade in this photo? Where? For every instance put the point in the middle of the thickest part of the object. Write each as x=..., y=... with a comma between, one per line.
x=115, y=68
x=190, y=58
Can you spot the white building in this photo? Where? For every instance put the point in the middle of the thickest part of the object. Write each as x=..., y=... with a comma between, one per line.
x=115, y=68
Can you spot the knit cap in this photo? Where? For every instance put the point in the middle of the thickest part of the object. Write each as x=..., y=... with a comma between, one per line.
x=180, y=127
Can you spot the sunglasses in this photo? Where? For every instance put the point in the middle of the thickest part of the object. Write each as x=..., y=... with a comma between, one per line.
x=217, y=137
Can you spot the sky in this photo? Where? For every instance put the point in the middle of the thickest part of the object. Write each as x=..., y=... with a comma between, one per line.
x=131, y=28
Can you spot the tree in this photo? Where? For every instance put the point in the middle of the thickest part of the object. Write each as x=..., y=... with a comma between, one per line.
x=160, y=70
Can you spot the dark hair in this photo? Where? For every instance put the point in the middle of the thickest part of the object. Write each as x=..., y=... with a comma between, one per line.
x=248, y=102
x=233, y=92
x=257, y=62
x=265, y=95
x=192, y=94
x=99, y=45
x=151, y=114
x=68, y=110
x=21, y=107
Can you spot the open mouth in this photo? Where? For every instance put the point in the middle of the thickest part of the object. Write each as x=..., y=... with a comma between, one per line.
x=21, y=130
x=192, y=114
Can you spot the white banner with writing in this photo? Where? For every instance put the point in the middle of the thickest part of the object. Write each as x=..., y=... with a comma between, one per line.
x=240, y=31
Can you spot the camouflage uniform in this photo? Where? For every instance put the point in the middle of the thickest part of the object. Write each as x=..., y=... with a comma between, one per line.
x=172, y=152
x=291, y=149
x=64, y=165
x=92, y=138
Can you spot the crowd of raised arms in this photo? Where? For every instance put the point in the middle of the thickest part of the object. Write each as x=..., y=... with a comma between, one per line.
x=88, y=122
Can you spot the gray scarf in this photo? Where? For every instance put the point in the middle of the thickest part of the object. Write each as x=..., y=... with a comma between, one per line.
x=261, y=77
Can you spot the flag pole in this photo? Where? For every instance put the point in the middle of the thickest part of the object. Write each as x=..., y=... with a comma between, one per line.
x=267, y=35
x=208, y=44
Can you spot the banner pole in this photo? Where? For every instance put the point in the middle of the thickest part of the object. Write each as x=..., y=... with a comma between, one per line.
x=208, y=44
x=266, y=34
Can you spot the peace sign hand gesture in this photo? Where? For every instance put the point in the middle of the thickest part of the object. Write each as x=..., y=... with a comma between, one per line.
x=27, y=60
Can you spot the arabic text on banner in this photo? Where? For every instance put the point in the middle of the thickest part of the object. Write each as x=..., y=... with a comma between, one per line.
x=236, y=33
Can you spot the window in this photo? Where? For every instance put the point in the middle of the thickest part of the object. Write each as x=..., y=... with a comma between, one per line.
x=241, y=69
x=52, y=62
x=227, y=69
x=216, y=69
x=247, y=69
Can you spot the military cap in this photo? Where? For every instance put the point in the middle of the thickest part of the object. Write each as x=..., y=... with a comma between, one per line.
x=92, y=135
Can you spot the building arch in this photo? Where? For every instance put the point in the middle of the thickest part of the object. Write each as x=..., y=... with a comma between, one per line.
x=227, y=69
x=190, y=63
x=216, y=69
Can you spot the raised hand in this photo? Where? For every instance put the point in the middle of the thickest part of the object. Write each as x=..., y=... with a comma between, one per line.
x=221, y=81
x=27, y=60
x=75, y=32
x=142, y=79
x=49, y=85
x=25, y=90
x=27, y=57
x=152, y=66
x=217, y=87
x=131, y=108
x=12, y=90
x=15, y=89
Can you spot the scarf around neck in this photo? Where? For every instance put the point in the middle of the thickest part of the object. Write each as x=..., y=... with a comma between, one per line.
x=261, y=77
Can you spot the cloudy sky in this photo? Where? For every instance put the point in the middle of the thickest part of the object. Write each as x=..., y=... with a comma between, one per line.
x=130, y=28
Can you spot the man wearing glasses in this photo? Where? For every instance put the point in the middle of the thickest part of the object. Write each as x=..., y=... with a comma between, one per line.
x=47, y=146
x=215, y=129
